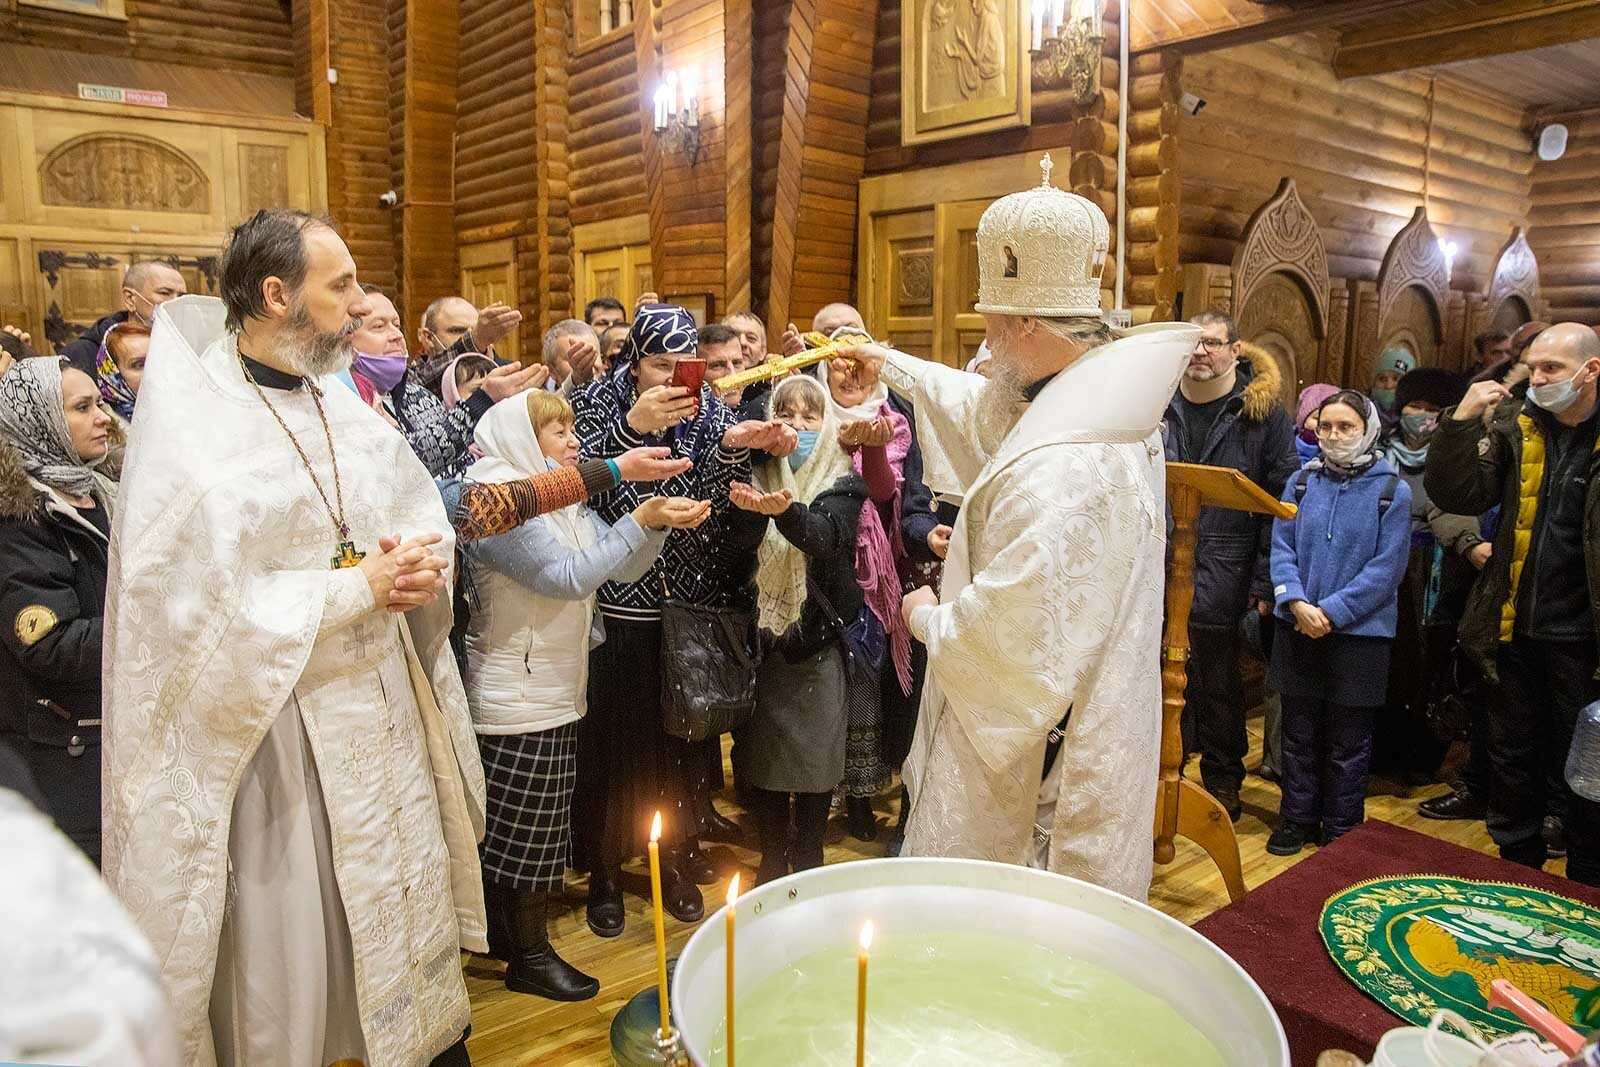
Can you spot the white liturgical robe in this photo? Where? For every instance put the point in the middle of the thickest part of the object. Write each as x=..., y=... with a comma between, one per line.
x=292, y=793
x=1051, y=600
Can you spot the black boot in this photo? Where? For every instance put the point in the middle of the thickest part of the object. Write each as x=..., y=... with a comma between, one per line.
x=695, y=864
x=679, y=895
x=605, y=912
x=1289, y=838
x=712, y=824
x=534, y=967
x=499, y=936
x=860, y=820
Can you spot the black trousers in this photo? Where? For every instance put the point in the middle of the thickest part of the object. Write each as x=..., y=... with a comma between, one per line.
x=1327, y=750
x=778, y=852
x=1543, y=686
x=1214, y=705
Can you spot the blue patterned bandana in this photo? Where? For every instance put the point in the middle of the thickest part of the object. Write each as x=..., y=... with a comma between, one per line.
x=657, y=330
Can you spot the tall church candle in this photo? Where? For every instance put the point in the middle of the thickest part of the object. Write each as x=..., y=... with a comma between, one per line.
x=733, y=896
x=661, y=928
x=861, y=995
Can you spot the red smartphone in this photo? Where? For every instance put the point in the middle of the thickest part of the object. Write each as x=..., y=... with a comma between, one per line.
x=688, y=373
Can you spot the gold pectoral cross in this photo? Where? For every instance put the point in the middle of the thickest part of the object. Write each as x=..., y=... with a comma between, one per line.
x=348, y=556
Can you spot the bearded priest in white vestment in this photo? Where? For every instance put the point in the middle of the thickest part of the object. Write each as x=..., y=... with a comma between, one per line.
x=292, y=793
x=1052, y=592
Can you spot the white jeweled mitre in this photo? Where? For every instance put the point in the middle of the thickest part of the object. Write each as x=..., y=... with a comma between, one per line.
x=1042, y=252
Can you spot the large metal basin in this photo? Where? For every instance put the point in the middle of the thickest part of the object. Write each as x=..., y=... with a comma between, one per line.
x=789, y=919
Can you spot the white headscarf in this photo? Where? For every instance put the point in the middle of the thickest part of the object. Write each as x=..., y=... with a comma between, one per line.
x=511, y=452
x=781, y=567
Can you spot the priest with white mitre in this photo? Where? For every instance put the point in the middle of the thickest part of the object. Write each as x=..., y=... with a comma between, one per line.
x=292, y=793
x=1052, y=592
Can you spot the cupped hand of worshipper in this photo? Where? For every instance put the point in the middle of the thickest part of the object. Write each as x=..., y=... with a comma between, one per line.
x=1478, y=555
x=671, y=512
x=494, y=322
x=645, y=298
x=793, y=341
x=747, y=497
x=6, y=363
x=1481, y=397
x=584, y=357
x=650, y=464
x=405, y=574
x=866, y=433
x=922, y=596
x=512, y=379
x=660, y=408
x=1310, y=619
x=939, y=540
x=773, y=438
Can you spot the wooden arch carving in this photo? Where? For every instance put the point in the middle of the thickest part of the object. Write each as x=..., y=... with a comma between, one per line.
x=123, y=172
x=1413, y=291
x=1515, y=277
x=1280, y=285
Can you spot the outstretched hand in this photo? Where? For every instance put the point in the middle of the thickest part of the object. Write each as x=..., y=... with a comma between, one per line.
x=748, y=498
x=583, y=357
x=511, y=379
x=494, y=322
x=773, y=438
x=405, y=574
x=866, y=433
x=922, y=596
x=650, y=464
x=672, y=512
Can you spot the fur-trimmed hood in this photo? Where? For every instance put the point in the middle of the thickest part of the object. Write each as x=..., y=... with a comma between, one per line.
x=1265, y=388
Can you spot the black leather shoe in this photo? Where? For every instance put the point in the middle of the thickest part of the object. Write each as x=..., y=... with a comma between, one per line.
x=696, y=865
x=605, y=913
x=681, y=897
x=535, y=968
x=859, y=819
x=1554, y=833
x=1288, y=839
x=1459, y=803
x=1228, y=797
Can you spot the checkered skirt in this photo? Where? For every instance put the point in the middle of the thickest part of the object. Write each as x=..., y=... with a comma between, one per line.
x=530, y=779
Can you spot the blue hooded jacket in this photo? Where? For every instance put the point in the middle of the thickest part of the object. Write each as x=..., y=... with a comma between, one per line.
x=1338, y=554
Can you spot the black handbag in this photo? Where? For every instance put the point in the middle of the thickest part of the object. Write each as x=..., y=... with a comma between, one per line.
x=865, y=643
x=709, y=658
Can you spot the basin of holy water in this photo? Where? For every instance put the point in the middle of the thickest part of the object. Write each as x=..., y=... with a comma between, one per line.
x=970, y=962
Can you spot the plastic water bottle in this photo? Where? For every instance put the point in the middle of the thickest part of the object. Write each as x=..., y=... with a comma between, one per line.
x=1583, y=758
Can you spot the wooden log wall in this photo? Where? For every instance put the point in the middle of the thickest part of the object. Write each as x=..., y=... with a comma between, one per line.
x=771, y=35
x=1365, y=153
x=1565, y=222
x=1152, y=266
x=338, y=34
x=430, y=35
x=496, y=183
x=544, y=257
x=242, y=35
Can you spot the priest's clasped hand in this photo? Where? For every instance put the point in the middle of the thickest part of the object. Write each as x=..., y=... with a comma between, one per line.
x=405, y=574
x=773, y=438
x=651, y=464
x=748, y=498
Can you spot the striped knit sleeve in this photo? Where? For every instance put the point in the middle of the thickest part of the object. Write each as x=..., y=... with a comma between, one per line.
x=490, y=509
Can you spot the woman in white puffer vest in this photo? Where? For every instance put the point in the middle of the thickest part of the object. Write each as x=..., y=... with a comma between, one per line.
x=533, y=622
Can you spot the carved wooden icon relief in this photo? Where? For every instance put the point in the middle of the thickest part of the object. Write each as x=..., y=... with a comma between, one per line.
x=1515, y=279
x=123, y=172
x=963, y=68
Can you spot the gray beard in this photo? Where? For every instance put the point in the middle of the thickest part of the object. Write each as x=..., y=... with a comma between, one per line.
x=1000, y=404
x=312, y=353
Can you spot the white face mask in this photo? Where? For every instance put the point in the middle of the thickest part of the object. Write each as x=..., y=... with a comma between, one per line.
x=1556, y=397
x=1342, y=450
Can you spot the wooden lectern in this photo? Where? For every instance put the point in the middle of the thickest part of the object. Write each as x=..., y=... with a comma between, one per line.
x=1182, y=807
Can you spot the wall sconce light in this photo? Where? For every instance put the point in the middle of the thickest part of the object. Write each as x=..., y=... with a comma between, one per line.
x=1449, y=249
x=1067, y=35
x=678, y=113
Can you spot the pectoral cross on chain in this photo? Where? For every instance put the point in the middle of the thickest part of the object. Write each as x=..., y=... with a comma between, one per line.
x=348, y=556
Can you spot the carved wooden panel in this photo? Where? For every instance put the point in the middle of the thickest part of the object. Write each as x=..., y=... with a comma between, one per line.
x=1279, y=317
x=1282, y=240
x=1516, y=274
x=264, y=176
x=1413, y=323
x=1206, y=286
x=1335, y=345
x=902, y=306
x=1413, y=259
x=964, y=68
x=125, y=172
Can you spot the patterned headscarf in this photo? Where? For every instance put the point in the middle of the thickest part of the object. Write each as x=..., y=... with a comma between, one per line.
x=33, y=418
x=113, y=386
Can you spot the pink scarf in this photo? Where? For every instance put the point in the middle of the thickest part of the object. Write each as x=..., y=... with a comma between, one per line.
x=877, y=547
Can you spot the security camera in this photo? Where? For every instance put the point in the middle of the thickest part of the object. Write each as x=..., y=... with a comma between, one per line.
x=1191, y=103
x=389, y=199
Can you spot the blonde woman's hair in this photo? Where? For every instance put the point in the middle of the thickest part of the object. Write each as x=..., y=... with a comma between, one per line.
x=545, y=408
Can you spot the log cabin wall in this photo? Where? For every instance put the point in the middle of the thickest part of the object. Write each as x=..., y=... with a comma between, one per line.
x=234, y=35
x=1365, y=154
x=1565, y=222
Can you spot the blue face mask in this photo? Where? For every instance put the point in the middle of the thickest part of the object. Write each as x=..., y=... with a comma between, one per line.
x=808, y=441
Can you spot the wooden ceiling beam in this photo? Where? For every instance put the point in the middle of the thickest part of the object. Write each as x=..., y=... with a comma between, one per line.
x=1466, y=33
x=1225, y=23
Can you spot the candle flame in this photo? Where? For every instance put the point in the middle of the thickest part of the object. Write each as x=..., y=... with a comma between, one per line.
x=655, y=828
x=866, y=936
x=733, y=890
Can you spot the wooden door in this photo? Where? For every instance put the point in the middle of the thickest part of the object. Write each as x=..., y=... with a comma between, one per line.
x=623, y=272
x=78, y=282
x=901, y=310
x=489, y=276
x=955, y=288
